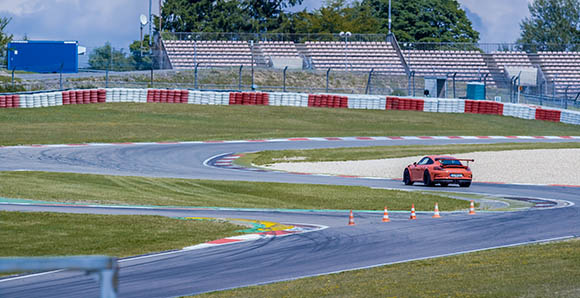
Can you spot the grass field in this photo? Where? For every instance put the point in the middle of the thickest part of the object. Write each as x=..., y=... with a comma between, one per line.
x=379, y=152
x=124, y=122
x=81, y=188
x=542, y=270
x=45, y=234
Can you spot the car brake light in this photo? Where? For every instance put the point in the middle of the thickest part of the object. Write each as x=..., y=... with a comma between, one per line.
x=468, y=169
x=438, y=168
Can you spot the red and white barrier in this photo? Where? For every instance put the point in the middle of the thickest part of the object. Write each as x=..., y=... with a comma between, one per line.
x=249, y=98
x=208, y=98
x=351, y=101
x=327, y=101
x=288, y=99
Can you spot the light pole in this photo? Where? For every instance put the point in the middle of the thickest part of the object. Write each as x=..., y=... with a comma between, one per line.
x=389, y=16
x=345, y=35
x=143, y=21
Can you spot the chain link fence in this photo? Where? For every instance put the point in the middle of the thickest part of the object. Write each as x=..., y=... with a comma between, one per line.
x=109, y=67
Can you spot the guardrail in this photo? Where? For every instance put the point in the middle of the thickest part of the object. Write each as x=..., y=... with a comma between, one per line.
x=352, y=101
x=105, y=267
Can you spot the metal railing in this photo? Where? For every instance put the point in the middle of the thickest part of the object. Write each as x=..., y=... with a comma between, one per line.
x=105, y=268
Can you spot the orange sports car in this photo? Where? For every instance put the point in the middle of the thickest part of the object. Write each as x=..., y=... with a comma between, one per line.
x=439, y=169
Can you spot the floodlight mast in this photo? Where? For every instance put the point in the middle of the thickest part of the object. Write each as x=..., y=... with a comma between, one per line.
x=389, y=16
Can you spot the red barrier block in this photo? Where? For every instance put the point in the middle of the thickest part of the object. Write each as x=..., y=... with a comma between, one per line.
x=94, y=96
x=310, y=100
x=2, y=101
x=232, y=98
x=156, y=96
x=65, y=97
x=73, y=97
x=170, y=96
x=150, y=95
x=101, y=95
x=184, y=96
x=500, y=108
x=86, y=96
x=163, y=96
x=250, y=99
x=548, y=115
x=8, y=99
x=16, y=100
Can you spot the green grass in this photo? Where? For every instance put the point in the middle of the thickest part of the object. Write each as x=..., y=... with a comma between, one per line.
x=66, y=187
x=124, y=122
x=45, y=234
x=367, y=153
x=542, y=270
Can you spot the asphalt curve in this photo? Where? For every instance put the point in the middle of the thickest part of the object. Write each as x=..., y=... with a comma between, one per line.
x=337, y=248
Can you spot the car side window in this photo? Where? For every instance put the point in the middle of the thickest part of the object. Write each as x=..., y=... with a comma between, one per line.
x=424, y=161
x=429, y=161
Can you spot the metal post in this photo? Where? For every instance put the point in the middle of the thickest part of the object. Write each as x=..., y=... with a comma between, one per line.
x=252, y=49
x=367, y=89
x=151, y=79
x=389, y=16
x=240, y=78
x=413, y=76
x=566, y=97
x=285, y=69
x=13, y=76
x=195, y=50
x=108, y=280
x=485, y=86
x=518, y=86
x=195, y=76
x=150, y=19
x=327, y=73
x=61, y=65
x=512, y=82
x=345, y=63
x=454, y=90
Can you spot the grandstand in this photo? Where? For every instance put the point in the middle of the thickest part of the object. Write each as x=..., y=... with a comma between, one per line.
x=559, y=69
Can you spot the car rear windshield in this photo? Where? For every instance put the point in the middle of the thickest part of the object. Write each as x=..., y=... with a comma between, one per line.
x=450, y=162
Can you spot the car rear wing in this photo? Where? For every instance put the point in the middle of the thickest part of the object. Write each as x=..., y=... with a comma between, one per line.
x=460, y=159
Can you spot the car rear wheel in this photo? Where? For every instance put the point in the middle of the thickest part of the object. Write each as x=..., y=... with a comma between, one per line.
x=427, y=179
x=464, y=184
x=407, y=178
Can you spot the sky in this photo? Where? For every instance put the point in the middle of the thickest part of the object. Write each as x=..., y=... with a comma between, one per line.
x=93, y=23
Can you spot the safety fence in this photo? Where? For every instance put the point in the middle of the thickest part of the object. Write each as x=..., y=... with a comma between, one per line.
x=350, y=101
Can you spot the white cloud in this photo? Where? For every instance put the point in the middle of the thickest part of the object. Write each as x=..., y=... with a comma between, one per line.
x=500, y=18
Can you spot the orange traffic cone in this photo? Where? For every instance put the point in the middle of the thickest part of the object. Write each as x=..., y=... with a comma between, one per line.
x=413, y=216
x=386, y=215
x=472, y=208
x=436, y=214
x=351, y=219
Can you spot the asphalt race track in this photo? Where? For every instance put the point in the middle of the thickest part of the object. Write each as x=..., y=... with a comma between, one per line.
x=337, y=248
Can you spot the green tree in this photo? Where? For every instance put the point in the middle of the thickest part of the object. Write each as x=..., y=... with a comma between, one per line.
x=425, y=20
x=140, y=57
x=203, y=16
x=337, y=16
x=224, y=15
x=4, y=38
x=106, y=57
x=266, y=15
x=553, y=25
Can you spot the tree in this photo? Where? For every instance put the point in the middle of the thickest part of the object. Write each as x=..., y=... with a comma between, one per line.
x=553, y=25
x=4, y=38
x=413, y=20
x=106, y=57
x=337, y=16
x=265, y=15
x=140, y=56
x=223, y=15
x=425, y=20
